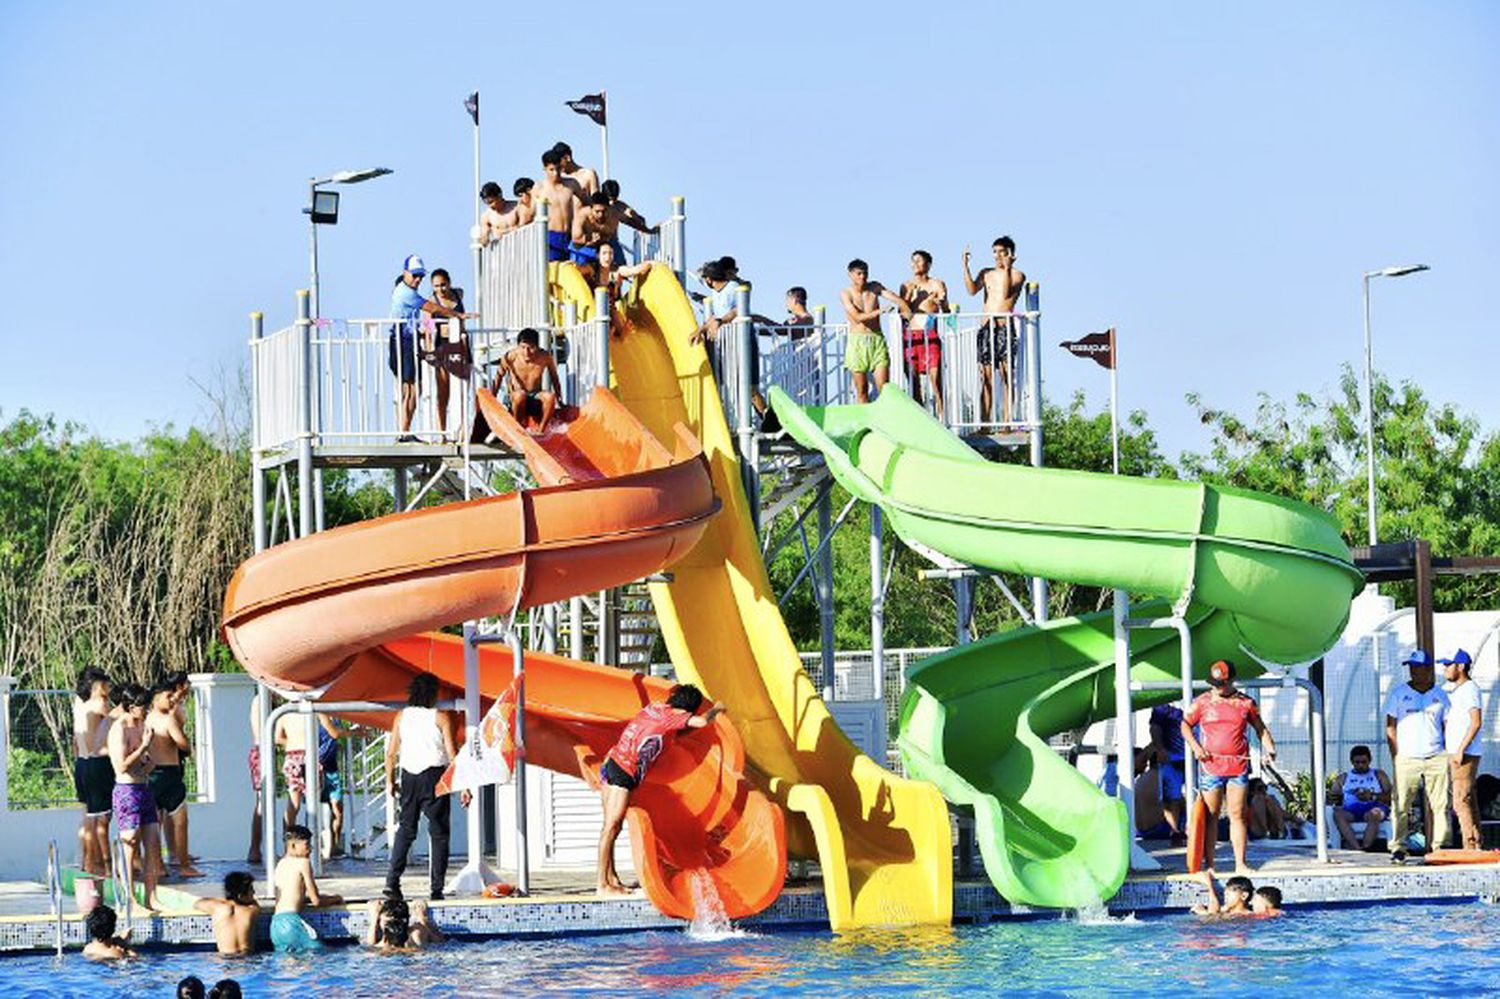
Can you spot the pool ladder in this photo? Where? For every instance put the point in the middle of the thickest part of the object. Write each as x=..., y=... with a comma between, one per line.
x=55, y=891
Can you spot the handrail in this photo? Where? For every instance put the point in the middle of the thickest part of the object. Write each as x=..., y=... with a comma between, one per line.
x=120, y=858
x=54, y=891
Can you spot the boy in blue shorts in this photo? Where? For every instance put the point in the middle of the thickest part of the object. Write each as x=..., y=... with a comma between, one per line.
x=1360, y=794
x=295, y=885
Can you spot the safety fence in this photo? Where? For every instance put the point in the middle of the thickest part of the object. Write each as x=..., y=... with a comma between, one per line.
x=513, y=290
x=976, y=362
x=39, y=749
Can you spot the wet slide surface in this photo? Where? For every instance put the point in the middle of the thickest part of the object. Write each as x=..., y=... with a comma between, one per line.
x=346, y=614
x=1258, y=576
x=882, y=842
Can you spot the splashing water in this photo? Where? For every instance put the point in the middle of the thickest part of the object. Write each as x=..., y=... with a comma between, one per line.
x=1097, y=914
x=710, y=921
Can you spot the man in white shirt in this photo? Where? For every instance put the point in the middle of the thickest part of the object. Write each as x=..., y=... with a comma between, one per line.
x=1461, y=740
x=1414, y=715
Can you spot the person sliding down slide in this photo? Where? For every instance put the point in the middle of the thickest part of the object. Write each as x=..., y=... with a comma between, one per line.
x=625, y=766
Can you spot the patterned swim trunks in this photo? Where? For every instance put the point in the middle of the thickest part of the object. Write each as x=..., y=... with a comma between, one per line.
x=134, y=806
x=254, y=761
x=294, y=769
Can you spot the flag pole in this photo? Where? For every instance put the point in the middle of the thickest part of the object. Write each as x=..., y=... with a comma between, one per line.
x=1114, y=402
x=604, y=138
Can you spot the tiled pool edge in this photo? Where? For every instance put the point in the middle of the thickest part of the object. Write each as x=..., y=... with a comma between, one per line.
x=973, y=902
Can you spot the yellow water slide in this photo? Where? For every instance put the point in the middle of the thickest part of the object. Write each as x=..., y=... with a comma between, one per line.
x=882, y=842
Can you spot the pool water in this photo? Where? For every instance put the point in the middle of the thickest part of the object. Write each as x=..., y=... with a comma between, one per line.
x=1421, y=948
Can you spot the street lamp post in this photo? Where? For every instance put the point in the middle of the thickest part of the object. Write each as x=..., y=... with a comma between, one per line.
x=1370, y=390
x=315, y=213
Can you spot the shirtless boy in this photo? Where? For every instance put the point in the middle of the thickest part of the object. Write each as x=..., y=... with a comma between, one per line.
x=640, y=745
x=586, y=179
x=923, y=348
x=865, y=353
x=590, y=231
x=134, y=806
x=524, y=212
x=168, y=741
x=233, y=915
x=564, y=198
x=498, y=213
x=527, y=363
x=622, y=214
x=398, y=927
x=1241, y=898
x=93, y=776
x=996, y=339
x=103, y=945
x=296, y=887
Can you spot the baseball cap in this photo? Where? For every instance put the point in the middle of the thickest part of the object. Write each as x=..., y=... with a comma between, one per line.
x=413, y=265
x=1419, y=657
x=1220, y=673
x=1460, y=658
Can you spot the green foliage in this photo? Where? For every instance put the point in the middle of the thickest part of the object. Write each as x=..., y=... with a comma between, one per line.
x=34, y=779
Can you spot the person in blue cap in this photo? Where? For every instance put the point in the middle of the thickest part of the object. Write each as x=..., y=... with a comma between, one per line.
x=1462, y=742
x=1415, y=713
x=407, y=306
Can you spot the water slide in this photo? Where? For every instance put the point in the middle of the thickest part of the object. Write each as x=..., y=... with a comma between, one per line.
x=1260, y=578
x=882, y=842
x=347, y=614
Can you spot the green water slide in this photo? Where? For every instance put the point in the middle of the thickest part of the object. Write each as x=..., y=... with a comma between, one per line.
x=1260, y=579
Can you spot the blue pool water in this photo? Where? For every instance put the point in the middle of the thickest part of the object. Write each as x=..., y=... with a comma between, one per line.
x=1422, y=948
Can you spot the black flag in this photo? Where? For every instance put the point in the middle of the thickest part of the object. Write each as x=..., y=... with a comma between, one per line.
x=591, y=105
x=471, y=105
x=1097, y=347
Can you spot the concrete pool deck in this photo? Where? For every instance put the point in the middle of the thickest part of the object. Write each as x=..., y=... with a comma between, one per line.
x=563, y=903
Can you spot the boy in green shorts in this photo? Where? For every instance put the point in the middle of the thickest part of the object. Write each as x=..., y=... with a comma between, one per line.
x=865, y=353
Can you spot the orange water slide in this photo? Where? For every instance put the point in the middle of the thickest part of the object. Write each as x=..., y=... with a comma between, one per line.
x=343, y=615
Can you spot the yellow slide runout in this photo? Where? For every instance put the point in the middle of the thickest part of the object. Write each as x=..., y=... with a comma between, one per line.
x=882, y=841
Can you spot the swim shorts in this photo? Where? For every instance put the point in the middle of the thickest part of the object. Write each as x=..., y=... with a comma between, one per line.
x=168, y=787
x=333, y=786
x=94, y=780
x=401, y=356
x=1212, y=782
x=866, y=352
x=1359, y=809
x=291, y=934
x=923, y=349
x=294, y=769
x=1172, y=779
x=134, y=806
x=557, y=247
x=584, y=255
x=613, y=773
x=254, y=761
x=996, y=339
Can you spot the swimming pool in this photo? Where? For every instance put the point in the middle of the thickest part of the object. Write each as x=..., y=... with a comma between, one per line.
x=1429, y=948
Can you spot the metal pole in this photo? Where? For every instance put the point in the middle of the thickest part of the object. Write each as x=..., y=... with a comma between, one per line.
x=268, y=790
x=398, y=490
x=1124, y=730
x=601, y=333
x=1114, y=403
x=518, y=670
x=1319, y=765
x=311, y=776
x=604, y=144
x=1189, y=761
x=260, y=534
x=820, y=320
x=544, y=287
x=312, y=234
x=575, y=628
x=1034, y=418
x=679, y=238
x=471, y=745
x=826, y=637
x=963, y=595
x=1369, y=419
x=305, y=441
x=744, y=330
x=877, y=600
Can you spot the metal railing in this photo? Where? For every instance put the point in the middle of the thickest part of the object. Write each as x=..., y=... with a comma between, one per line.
x=806, y=362
x=513, y=290
x=55, y=891
x=973, y=349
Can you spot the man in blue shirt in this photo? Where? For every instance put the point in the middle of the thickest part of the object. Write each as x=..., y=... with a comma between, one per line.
x=1166, y=743
x=407, y=306
x=329, y=734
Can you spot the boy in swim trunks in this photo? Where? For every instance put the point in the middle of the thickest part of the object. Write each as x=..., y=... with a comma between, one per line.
x=626, y=764
x=528, y=364
x=103, y=945
x=233, y=915
x=865, y=353
x=590, y=231
x=93, y=775
x=398, y=927
x=564, y=199
x=1224, y=755
x=296, y=886
x=923, y=348
x=168, y=788
x=996, y=339
x=134, y=806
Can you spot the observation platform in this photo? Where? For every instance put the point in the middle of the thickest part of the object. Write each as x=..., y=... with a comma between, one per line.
x=563, y=902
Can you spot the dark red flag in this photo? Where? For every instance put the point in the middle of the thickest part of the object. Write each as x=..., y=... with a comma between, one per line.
x=1097, y=347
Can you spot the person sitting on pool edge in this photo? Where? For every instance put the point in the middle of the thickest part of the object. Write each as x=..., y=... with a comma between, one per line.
x=233, y=915
x=396, y=928
x=103, y=945
x=639, y=746
x=1224, y=752
x=295, y=885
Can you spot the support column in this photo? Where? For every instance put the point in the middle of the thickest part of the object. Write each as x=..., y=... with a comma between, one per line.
x=824, y=577
x=1033, y=358
x=398, y=490
x=963, y=595
x=311, y=775
x=1124, y=717
x=260, y=534
x=575, y=628
x=744, y=333
x=1422, y=564
x=679, y=238
x=877, y=600
x=305, y=425
x=476, y=873
x=544, y=288
x=820, y=322
x=523, y=857
x=601, y=335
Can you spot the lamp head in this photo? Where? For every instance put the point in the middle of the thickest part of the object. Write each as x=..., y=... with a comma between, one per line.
x=356, y=176
x=1402, y=271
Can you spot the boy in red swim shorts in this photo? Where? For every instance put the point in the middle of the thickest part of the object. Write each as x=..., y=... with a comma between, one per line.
x=922, y=346
x=625, y=766
x=1223, y=753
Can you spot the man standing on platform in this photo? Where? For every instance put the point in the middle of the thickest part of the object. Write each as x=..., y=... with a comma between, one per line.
x=1415, y=713
x=1462, y=742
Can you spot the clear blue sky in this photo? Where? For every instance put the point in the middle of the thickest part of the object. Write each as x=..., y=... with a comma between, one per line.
x=1210, y=181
